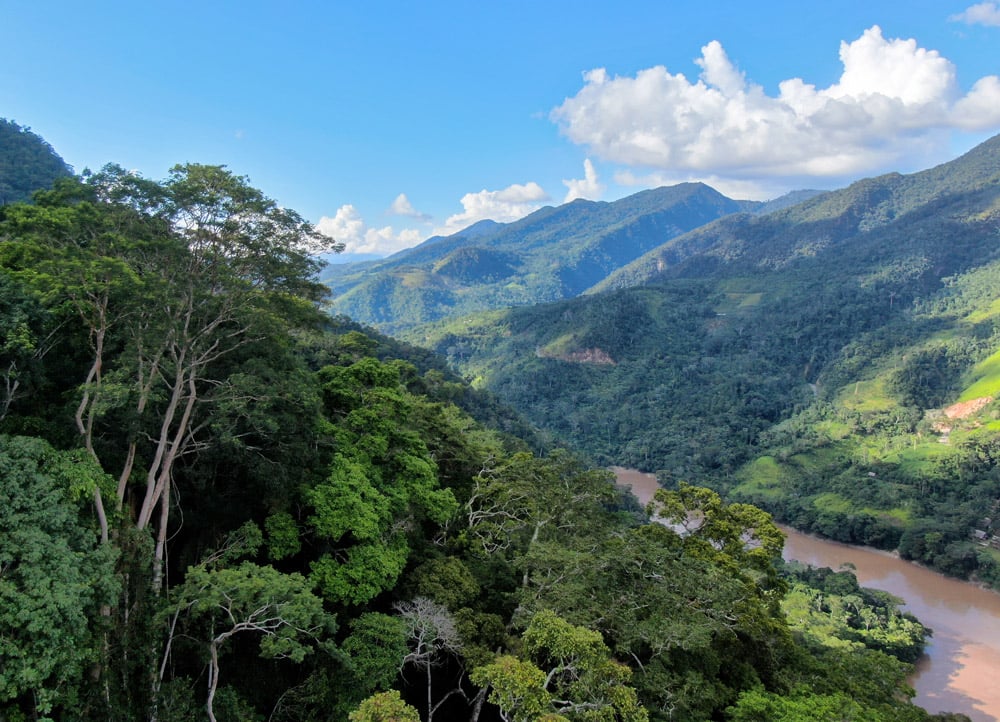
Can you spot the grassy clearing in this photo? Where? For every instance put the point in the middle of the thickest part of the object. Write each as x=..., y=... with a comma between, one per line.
x=763, y=478
x=559, y=346
x=921, y=458
x=415, y=278
x=983, y=314
x=868, y=395
x=984, y=379
x=832, y=502
x=834, y=430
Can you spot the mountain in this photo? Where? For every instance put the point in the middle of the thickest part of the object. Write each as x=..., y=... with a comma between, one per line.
x=27, y=163
x=860, y=216
x=551, y=254
x=789, y=199
x=801, y=360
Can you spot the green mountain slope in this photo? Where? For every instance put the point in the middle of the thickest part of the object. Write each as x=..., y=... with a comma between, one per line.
x=846, y=319
x=551, y=254
x=27, y=163
x=873, y=206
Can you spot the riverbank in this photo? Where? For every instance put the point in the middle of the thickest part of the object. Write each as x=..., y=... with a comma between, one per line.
x=960, y=671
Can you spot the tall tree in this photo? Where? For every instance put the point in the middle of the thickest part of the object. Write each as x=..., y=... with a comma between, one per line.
x=251, y=600
x=182, y=274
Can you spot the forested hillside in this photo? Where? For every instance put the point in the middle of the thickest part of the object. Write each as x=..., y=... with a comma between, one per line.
x=551, y=254
x=27, y=163
x=805, y=360
x=216, y=502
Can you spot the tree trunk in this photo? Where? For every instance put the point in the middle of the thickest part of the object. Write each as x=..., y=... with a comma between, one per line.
x=213, y=680
x=477, y=704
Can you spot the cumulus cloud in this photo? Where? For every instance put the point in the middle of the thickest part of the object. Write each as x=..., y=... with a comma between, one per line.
x=987, y=13
x=587, y=187
x=348, y=227
x=510, y=204
x=743, y=188
x=402, y=207
x=893, y=98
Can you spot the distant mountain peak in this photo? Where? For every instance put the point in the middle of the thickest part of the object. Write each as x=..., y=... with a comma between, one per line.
x=553, y=253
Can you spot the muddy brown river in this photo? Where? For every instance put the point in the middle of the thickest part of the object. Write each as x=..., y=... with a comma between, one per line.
x=960, y=671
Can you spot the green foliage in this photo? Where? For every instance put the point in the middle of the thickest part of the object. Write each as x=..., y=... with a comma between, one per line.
x=282, y=535
x=376, y=648
x=446, y=580
x=569, y=673
x=385, y=707
x=517, y=687
x=279, y=608
x=760, y=706
x=382, y=479
x=53, y=579
x=832, y=609
x=27, y=163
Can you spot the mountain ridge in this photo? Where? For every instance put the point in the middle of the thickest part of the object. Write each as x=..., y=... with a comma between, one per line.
x=555, y=252
x=799, y=361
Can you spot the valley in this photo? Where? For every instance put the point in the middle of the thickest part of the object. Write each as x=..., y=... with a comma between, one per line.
x=221, y=499
x=808, y=360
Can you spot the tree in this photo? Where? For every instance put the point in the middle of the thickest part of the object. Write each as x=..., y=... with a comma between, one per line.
x=740, y=537
x=24, y=341
x=569, y=673
x=279, y=609
x=179, y=277
x=375, y=650
x=381, y=488
x=74, y=253
x=433, y=638
x=53, y=578
x=243, y=260
x=384, y=707
x=524, y=501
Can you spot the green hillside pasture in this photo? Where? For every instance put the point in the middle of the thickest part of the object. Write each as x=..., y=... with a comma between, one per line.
x=920, y=459
x=416, y=278
x=833, y=503
x=560, y=346
x=868, y=395
x=764, y=479
x=745, y=294
x=984, y=314
x=984, y=379
x=768, y=479
x=833, y=430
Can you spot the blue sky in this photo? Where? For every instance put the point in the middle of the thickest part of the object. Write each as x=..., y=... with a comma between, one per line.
x=387, y=122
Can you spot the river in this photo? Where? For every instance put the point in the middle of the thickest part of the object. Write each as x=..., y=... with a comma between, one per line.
x=960, y=671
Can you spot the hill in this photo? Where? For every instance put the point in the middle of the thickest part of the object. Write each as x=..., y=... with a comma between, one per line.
x=552, y=254
x=778, y=357
x=27, y=163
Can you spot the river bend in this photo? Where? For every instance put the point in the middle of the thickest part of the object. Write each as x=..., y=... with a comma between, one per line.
x=960, y=671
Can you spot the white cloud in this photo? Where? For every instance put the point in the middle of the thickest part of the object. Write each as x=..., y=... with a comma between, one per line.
x=510, y=204
x=348, y=227
x=503, y=206
x=893, y=99
x=587, y=187
x=742, y=189
x=402, y=207
x=987, y=13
